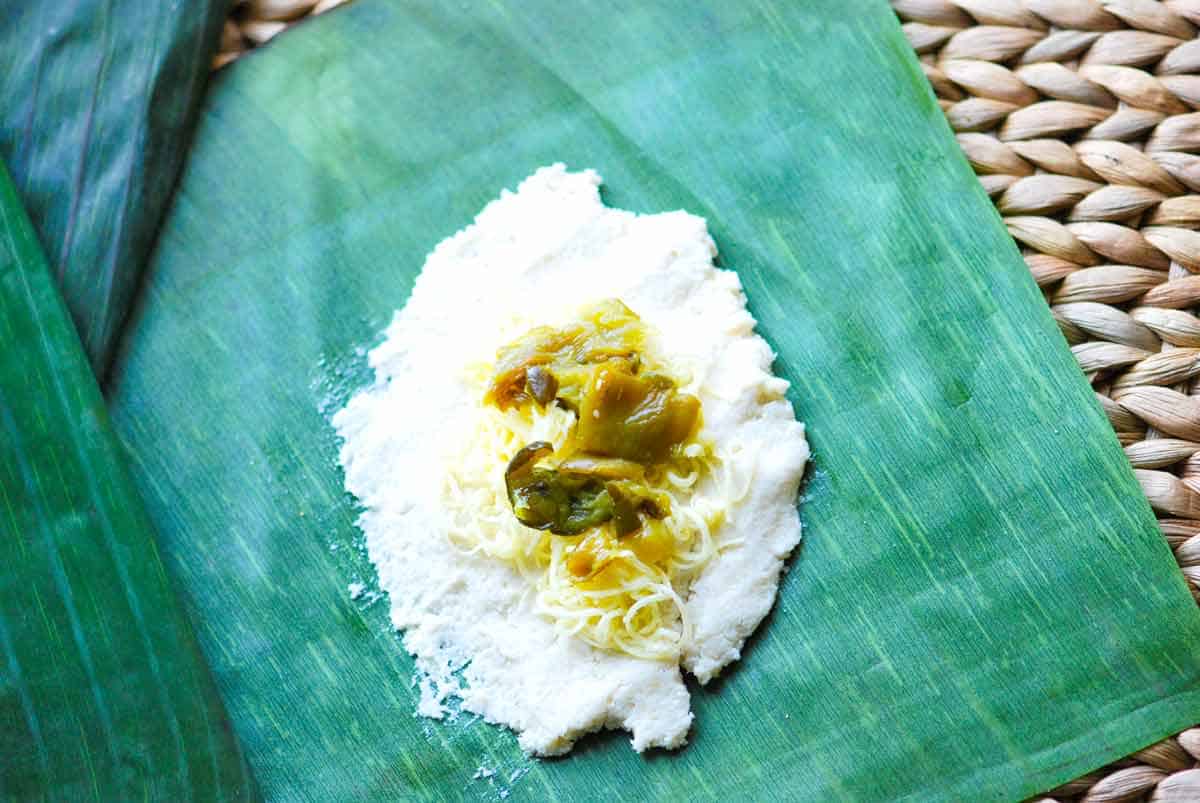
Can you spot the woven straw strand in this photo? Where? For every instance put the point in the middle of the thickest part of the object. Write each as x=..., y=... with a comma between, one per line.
x=255, y=22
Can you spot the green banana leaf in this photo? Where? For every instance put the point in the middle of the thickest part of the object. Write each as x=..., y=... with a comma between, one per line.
x=982, y=607
x=104, y=694
x=97, y=99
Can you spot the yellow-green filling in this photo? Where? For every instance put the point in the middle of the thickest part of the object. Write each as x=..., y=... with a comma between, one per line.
x=582, y=473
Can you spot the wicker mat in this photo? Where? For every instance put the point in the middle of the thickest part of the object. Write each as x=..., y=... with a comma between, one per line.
x=1078, y=116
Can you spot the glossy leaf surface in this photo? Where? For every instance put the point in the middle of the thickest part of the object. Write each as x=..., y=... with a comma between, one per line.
x=983, y=606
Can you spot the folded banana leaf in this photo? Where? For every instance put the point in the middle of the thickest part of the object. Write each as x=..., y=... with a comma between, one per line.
x=982, y=608
x=104, y=694
x=97, y=99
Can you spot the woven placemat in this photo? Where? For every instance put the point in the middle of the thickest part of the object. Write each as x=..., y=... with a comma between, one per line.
x=1080, y=118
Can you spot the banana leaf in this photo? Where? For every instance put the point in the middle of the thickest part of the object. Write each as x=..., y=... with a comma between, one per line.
x=983, y=606
x=104, y=694
x=97, y=98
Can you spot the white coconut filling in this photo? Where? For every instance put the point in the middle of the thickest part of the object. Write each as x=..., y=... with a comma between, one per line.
x=485, y=606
